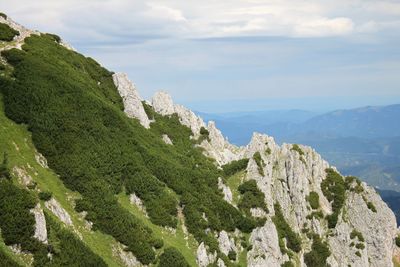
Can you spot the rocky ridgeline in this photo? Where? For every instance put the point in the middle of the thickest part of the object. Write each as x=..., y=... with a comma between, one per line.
x=365, y=230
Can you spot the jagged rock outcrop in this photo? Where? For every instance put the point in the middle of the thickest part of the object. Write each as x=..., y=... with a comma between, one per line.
x=203, y=257
x=127, y=258
x=133, y=106
x=226, y=243
x=19, y=39
x=23, y=177
x=58, y=211
x=265, y=251
x=166, y=139
x=135, y=200
x=40, y=224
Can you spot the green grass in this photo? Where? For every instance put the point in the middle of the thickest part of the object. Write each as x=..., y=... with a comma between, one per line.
x=22, y=260
x=170, y=239
x=233, y=183
x=16, y=140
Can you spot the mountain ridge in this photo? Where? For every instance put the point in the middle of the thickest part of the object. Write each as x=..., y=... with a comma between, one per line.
x=153, y=179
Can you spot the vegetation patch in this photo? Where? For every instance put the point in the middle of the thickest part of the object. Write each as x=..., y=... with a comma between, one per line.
x=313, y=200
x=252, y=197
x=78, y=124
x=234, y=167
x=334, y=189
x=6, y=260
x=371, y=206
x=293, y=240
x=171, y=257
x=353, y=184
x=260, y=163
x=4, y=169
x=3, y=15
x=204, y=135
x=318, y=254
x=45, y=195
x=356, y=234
x=7, y=33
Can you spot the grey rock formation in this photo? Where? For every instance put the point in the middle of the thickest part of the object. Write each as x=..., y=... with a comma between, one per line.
x=40, y=224
x=226, y=243
x=135, y=200
x=127, y=258
x=203, y=257
x=226, y=191
x=133, y=106
x=55, y=207
x=265, y=251
x=166, y=139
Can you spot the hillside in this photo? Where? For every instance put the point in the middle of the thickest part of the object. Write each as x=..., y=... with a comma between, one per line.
x=93, y=175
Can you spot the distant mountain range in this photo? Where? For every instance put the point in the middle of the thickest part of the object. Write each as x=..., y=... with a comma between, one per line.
x=364, y=141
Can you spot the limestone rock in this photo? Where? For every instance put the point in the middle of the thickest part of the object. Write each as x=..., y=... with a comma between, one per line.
x=135, y=200
x=166, y=139
x=226, y=191
x=203, y=258
x=58, y=211
x=23, y=177
x=162, y=103
x=41, y=160
x=40, y=224
x=127, y=258
x=265, y=251
x=226, y=244
x=133, y=106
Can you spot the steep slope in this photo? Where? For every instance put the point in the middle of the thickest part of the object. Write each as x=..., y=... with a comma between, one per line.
x=150, y=183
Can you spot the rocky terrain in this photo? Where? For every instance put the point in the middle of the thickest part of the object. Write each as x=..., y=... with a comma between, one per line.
x=301, y=211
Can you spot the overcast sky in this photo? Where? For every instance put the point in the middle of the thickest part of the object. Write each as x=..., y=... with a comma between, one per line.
x=236, y=55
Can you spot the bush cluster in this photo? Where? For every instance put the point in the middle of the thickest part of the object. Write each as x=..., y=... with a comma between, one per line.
x=171, y=257
x=234, y=167
x=251, y=197
x=7, y=33
x=334, y=189
x=6, y=260
x=297, y=148
x=4, y=170
x=260, y=163
x=293, y=240
x=45, y=195
x=17, y=223
x=313, y=199
x=318, y=254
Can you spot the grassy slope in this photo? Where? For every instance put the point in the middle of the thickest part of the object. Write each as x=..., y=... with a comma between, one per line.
x=16, y=140
x=177, y=240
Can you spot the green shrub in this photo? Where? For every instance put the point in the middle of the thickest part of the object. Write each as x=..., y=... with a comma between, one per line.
x=3, y=15
x=268, y=151
x=17, y=223
x=260, y=163
x=287, y=264
x=66, y=248
x=55, y=37
x=334, y=189
x=252, y=197
x=357, y=187
x=357, y=234
x=358, y=254
x=397, y=241
x=204, y=135
x=7, y=33
x=318, y=254
x=360, y=246
x=297, y=148
x=45, y=196
x=4, y=170
x=293, y=240
x=371, y=206
x=232, y=255
x=171, y=257
x=235, y=166
x=6, y=260
x=313, y=199
x=316, y=214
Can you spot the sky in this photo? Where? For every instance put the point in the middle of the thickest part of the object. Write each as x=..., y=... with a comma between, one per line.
x=222, y=56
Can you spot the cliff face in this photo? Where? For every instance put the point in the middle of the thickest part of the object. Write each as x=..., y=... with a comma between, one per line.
x=287, y=176
x=303, y=212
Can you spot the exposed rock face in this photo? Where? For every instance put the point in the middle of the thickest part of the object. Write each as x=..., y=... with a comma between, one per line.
x=127, y=258
x=135, y=200
x=40, y=224
x=225, y=190
x=286, y=175
x=226, y=244
x=203, y=258
x=58, y=211
x=41, y=160
x=23, y=177
x=166, y=139
x=23, y=33
x=132, y=101
x=265, y=251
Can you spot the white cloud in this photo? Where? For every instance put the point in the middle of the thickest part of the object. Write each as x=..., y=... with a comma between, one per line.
x=111, y=19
